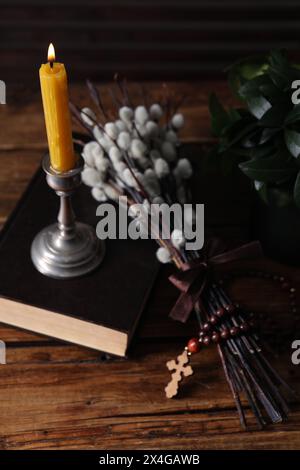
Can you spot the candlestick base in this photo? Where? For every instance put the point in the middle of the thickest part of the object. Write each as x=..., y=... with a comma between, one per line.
x=66, y=249
x=61, y=258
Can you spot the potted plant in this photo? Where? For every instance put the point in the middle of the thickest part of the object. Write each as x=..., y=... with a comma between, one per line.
x=262, y=138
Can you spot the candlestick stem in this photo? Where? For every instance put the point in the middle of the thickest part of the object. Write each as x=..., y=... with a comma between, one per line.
x=66, y=217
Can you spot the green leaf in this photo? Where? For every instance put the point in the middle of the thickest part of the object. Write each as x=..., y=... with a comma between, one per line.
x=259, y=106
x=293, y=115
x=279, y=196
x=273, y=169
x=292, y=140
x=275, y=116
x=249, y=67
x=245, y=70
x=280, y=69
x=260, y=94
x=262, y=190
x=234, y=115
x=271, y=92
x=234, y=82
x=253, y=69
x=297, y=190
x=229, y=161
x=278, y=59
x=219, y=116
x=268, y=175
x=262, y=151
x=267, y=134
x=239, y=131
x=252, y=88
x=252, y=140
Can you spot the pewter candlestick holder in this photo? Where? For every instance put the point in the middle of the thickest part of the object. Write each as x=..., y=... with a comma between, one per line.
x=66, y=249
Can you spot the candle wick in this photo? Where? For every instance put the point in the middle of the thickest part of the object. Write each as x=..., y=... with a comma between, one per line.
x=51, y=64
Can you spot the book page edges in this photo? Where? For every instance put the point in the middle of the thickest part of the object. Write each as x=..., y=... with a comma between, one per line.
x=63, y=327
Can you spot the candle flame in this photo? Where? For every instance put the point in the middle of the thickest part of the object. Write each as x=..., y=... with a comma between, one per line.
x=51, y=53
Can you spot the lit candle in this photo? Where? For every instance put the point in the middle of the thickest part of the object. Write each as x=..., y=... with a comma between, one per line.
x=54, y=88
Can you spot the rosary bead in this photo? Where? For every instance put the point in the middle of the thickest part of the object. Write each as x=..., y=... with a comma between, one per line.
x=215, y=337
x=234, y=330
x=244, y=327
x=225, y=333
x=206, y=327
x=206, y=340
x=193, y=345
x=285, y=286
x=201, y=333
x=213, y=320
x=220, y=312
x=230, y=308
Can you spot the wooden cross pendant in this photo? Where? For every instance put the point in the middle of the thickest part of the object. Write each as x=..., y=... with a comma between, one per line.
x=181, y=370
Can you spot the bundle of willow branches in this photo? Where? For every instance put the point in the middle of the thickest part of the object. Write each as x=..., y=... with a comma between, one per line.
x=246, y=368
x=136, y=153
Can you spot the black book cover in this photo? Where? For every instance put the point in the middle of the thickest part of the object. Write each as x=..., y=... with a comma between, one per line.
x=113, y=296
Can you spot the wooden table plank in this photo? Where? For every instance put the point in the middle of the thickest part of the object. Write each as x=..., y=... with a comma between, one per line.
x=23, y=115
x=69, y=400
x=86, y=405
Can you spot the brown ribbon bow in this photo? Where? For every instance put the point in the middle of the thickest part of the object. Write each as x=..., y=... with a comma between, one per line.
x=193, y=276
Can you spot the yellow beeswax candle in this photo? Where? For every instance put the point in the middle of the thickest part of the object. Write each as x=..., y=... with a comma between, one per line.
x=54, y=86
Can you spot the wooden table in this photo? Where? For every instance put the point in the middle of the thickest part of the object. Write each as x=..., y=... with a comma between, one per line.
x=58, y=396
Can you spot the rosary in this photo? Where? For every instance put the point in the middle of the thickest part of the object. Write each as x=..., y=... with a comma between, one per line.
x=231, y=329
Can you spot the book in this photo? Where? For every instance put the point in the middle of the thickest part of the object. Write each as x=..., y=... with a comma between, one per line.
x=100, y=310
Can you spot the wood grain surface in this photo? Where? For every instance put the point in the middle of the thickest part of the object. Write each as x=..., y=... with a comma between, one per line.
x=58, y=396
x=149, y=39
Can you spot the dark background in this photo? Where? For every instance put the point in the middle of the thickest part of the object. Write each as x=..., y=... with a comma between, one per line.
x=143, y=39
